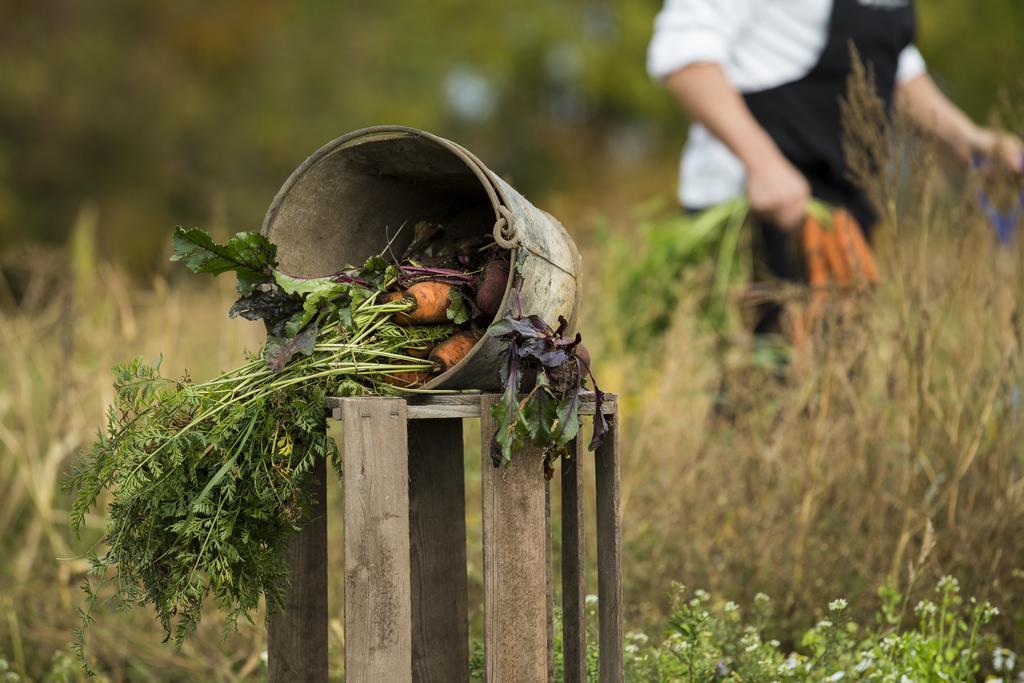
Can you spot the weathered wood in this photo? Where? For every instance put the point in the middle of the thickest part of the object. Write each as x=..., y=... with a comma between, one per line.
x=609, y=557
x=297, y=636
x=549, y=553
x=574, y=617
x=515, y=562
x=466, y=405
x=437, y=525
x=378, y=603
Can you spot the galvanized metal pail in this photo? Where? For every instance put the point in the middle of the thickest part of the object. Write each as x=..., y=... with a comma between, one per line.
x=347, y=200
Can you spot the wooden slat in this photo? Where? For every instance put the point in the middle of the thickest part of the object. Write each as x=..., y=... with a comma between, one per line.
x=427, y=412
x=549, y=601
x=297, y=636
x=437, y=524
x=609, y=557
x=378, y=603
x=515, y=562
x=574, y=618
x=444, y=406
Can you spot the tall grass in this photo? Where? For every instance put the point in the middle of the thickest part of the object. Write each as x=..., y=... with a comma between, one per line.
x=890, y=450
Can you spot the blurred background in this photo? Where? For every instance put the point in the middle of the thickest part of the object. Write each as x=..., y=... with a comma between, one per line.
x=157, y=114
x=120, y=119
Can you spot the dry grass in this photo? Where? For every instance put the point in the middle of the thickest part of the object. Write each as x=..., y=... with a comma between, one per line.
x=890, y=452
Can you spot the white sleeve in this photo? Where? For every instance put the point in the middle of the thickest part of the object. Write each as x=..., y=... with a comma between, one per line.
x=691, y=31
x=911, y=64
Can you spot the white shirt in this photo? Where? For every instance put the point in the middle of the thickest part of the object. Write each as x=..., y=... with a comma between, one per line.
x=760, y=44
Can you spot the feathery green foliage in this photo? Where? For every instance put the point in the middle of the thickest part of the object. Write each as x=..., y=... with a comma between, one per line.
x=206, y=480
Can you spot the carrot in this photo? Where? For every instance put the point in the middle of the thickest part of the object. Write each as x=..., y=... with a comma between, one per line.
x=862, y=258
x=838, y=264
x=452, y=350
x=418, y=351
x=817, y=266
x=407, y=379
x=429, y=303
x=493, y=282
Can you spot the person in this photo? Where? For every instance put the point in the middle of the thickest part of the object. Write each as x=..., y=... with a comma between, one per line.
x=762, y=81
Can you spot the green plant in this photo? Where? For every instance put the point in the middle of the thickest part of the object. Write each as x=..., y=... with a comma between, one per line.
x=706, y=641
x=208, y=478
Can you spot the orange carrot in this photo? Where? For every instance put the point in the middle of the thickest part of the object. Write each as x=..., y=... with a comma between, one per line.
x=817, y=266
x=864, y=260
x=838, y=264
x=407, y=379
x=429, y=303
x=452, y=350
x=418, y=351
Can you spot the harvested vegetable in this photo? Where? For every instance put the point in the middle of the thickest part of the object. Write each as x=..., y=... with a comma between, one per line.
x=408, y=379
x=427, y=303
x=543, y=379
x=207, y=478
x=493, y=283
x=452, y=350
x=862, y=260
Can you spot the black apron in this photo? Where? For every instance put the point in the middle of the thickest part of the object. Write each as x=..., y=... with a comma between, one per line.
x=803, y=116
x=804, y=120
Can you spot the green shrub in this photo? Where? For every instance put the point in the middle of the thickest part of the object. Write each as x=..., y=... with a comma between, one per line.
x=943, y=640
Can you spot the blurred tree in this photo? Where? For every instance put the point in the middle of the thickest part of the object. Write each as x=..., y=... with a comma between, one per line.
x=195, y=112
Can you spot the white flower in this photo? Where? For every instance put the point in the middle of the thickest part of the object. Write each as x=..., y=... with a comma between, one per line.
x=837, y=605
x=837, y=676
x=591, y=600
x=730, y=606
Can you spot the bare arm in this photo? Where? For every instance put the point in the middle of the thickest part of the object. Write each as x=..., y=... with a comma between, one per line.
x=927, y=106
x=775, y=188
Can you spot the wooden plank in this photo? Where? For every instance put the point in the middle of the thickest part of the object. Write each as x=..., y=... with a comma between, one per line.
x=445, y=406
x=549, y=600
x=574, y=616
x=437, y=525
x=515, y=562
x=428, y=412
x=609, y=557
x=297, y=636
x=378, y=603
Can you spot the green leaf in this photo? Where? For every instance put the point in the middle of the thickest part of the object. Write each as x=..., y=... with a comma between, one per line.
x=539, y=414
x=568, y=419
x=251, y=256
x=510, y=434
x=317, y=294
x=458, y=309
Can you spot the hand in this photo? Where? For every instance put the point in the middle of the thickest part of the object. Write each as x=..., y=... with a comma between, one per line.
x=1007, y=148
x=778, y=192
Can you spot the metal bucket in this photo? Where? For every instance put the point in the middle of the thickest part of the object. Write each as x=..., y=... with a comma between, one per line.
x=347, y=200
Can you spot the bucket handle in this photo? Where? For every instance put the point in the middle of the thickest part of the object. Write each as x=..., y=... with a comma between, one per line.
x=505, y=228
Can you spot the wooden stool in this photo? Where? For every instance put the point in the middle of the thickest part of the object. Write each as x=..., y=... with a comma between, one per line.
x=406, y=614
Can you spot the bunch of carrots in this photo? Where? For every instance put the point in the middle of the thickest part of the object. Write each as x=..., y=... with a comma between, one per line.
x=203, y=483
x=439, y=283
x=839, y=260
